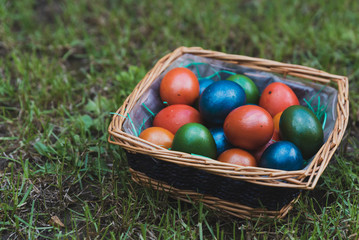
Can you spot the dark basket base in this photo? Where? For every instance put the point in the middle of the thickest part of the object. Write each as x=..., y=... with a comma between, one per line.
x=188, y=178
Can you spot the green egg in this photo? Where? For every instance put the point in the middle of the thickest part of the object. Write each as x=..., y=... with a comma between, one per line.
x=300, y=126
x=251, y=90
x=195, y=138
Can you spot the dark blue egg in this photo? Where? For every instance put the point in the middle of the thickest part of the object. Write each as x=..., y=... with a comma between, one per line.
x=222, y=143
x=219, y=99
x=204, y=83
x=282, y=155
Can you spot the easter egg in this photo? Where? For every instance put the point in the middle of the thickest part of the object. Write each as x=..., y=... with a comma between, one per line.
x=276, y=97
x=222, y=143
x=179, y=86
x=204, y=83
x=157, y=135
x=249, y=87
x=276, y=119
x=175, y=116
x=282, y=155
x=219, y=99
x=300, y=126
x=248, y=127
x=194, y=138
x=239, y=157
x=257, y=154
x=276, y=136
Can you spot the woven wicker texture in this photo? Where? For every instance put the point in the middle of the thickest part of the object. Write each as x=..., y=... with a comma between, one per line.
x=236, y=197
x=232, y=208
x=301, y=179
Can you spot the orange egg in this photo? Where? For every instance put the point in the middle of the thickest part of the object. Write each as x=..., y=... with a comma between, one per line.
x=159, y=136
x=276, y=120
x=238, y=156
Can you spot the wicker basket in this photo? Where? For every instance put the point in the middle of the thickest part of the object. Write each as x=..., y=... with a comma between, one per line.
x=245, y=192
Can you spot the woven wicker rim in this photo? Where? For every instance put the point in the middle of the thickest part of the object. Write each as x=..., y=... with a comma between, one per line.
x=301, y=179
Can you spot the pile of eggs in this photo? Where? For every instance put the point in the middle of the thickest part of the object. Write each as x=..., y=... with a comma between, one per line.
x=230, y=121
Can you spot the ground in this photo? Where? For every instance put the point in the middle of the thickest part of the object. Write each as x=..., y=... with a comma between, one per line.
x=64, y=65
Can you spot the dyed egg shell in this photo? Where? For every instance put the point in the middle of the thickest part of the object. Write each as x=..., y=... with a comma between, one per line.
x=276, y=119
x=204, y=83
x=248, y=127
x=249, y=87
x=157, y=135
x=282, y=155
x=195, y=138
x=175, y=116
x=219, y=99
x=300, y=126
x=222, y=142
x=179, y=86
x=257, y=154
x=239, y=157
x=276, y=97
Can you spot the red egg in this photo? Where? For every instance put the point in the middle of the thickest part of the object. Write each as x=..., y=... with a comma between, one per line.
x=276, y=97
x=238, y=156
x=159, y=136
x=276, y=135
x=179, y=86
x=248, y=127
x=175, y=116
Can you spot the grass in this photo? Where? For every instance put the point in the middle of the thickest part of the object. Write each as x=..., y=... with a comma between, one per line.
x=64, y=65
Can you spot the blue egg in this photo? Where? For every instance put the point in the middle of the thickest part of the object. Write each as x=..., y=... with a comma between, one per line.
x=282, y=155
x=204, y=83
x=221, y=141
x=219, y=99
